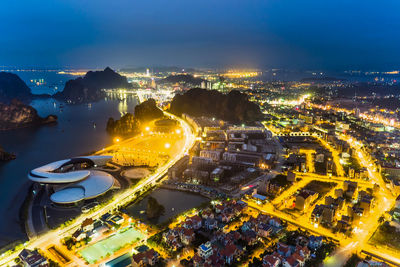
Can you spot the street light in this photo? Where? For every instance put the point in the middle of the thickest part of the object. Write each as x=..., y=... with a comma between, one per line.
x=116, y=139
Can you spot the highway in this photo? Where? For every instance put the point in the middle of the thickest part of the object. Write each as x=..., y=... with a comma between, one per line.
x=53, y=236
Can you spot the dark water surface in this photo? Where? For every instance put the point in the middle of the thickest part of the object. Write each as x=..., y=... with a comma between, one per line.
x=174, y=202
x=73, y=135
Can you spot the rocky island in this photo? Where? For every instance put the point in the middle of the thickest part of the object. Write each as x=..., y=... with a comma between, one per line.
x=234, y=106
x=19, y=115
x=13, y=87
x=130, y=124
x=89, y=88
x=14, y=110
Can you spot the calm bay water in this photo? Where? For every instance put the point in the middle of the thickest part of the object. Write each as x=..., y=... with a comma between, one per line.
x=73, y=135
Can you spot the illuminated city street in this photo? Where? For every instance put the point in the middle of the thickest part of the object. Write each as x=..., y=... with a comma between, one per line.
x=200, y=133
x=48, y=239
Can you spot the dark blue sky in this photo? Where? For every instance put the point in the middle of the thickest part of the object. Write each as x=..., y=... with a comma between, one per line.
x=302, y=34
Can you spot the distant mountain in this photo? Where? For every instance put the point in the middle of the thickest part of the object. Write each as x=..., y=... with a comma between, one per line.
x=19, y=115
x=12, y=87
x=186, y=79
x=88, y=88
x=233, y=107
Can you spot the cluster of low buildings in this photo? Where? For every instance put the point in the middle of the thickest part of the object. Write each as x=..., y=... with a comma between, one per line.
x=304, y=199
x=147, y=258
x=227, y=156
x=228, y=247
x=32, y=258
x=293, y=255
x=208, y=220
x=93, y=228
x=228, y=238
x=345, y=208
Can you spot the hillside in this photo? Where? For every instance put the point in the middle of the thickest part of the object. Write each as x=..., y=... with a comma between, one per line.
x=13, y=87
x=88, y=88
x=233, y=107
x=19, y=115
x=130, y=124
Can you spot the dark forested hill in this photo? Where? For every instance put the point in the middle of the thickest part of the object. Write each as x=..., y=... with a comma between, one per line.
x=12, y=87
x=88, y=88
x=234, y=106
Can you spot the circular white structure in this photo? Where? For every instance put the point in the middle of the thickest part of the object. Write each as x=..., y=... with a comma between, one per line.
x=74, y=180
x=96, y=184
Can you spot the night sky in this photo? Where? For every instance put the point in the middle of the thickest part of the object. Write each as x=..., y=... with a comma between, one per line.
x=296, y=34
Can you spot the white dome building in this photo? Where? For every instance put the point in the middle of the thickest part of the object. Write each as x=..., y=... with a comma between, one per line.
x=73, y=180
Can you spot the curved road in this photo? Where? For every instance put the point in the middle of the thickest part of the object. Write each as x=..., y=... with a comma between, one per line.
x=54, y=236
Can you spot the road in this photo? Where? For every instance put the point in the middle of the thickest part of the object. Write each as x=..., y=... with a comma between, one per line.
x=384, y=201
x=53, y=236
x=358, y=242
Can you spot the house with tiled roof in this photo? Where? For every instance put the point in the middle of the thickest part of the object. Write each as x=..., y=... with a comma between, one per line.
x=32, y=258
x=210, y=224
x=187, y=236
x=315, y=242
x=264, y=230
x=147, y=258
x=298, y=258
x=271, y=261
x=196, y=221
x=87, y=225
x=250, y=237
x=229, y=253
x=291, y=262
x=303, y=251
x=219, y=208
x=197, y=261
x=283, y=249
x=78, y=235
x=226, y=217
x=207, y=213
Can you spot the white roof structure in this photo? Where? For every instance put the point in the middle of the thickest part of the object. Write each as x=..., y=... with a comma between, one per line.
x=53, y=173
x=96, y=184
x=79, y=184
